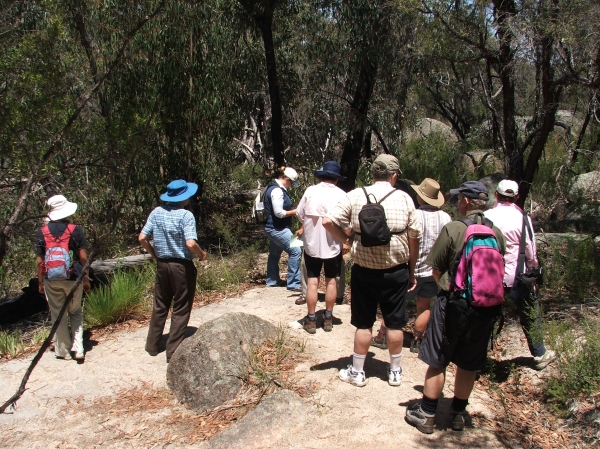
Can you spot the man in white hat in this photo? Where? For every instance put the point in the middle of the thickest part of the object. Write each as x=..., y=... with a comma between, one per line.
x=173, y=229
x=508, y=217
x=60, y=256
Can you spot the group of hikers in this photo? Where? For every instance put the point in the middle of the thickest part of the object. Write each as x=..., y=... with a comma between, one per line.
x=458, y=271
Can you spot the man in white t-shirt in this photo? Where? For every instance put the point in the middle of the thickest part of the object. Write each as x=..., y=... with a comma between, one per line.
x=321, y=249
x=508, y=217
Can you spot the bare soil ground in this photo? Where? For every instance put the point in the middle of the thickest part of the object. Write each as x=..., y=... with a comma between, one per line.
x=118, y=397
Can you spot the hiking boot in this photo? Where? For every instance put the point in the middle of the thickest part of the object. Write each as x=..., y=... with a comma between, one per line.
x=394, y=377
x=458, y=421
x=379, y=341
x=327, y=323
x=352, y=377
x=310, y=326
x=300, y=301
x=542, y=361
x=418, y=418
x=415, y=346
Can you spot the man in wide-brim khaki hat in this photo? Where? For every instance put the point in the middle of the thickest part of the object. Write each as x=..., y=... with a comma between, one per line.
x=429, y=191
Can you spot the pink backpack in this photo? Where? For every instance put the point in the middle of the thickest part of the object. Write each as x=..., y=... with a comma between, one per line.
x=480, y=272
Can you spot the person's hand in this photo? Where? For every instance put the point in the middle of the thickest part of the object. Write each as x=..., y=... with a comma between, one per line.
x=202, y=256
x=86, y=284
x=346, y=247
x=41, y=288
x=299, y=232
x=412, y=283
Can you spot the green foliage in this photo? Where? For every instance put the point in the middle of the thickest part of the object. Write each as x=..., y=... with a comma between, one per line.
x=432, y=157
x=221, y=273
x=11, y=343
x=40, y=334
x=578, y=351
x=122, y=299
x=570, y=270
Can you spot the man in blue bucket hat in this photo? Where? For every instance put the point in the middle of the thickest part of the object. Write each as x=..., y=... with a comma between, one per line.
x=173, y=230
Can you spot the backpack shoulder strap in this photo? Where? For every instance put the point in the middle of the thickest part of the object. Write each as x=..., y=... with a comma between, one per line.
x=381, y=200
x=467, y=221
x=367, y=195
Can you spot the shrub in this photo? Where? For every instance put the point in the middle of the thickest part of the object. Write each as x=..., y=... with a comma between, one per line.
x=578, y=373
x=220, y=273
x=122, y=299
x=39, y=335
x=11, y=343
x=570, y=270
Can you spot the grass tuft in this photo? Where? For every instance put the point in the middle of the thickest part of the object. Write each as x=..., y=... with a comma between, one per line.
x=122, y=299
x=11, y=343
x=220, y=273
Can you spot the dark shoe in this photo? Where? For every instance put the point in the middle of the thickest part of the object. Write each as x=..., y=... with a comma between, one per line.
x=152, y=353
x=458, y=421
x=327, y=323
x=310, y=326
x=342, y=300
x=295, y=290
x=379, y=341
x=280, y=283
x=415, y=345
x=300, y=301
x=168, y=359
x=418, y=418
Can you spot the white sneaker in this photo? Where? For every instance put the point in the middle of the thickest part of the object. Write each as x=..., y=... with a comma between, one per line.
x=394, y=377
x=353, y=377
x=542, y=361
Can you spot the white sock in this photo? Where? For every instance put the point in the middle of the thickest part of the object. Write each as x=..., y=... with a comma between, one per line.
x=395, y=361
x=358, y=362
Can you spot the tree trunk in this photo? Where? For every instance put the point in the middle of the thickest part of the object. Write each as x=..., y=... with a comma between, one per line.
x=265, y=22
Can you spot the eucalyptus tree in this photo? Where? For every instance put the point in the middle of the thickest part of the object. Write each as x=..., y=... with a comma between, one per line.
x=554, y=40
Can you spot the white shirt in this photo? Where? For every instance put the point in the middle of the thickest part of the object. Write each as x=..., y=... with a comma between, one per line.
x=316, y=202
x=432, y=221
x=277, y=200
x=508, y=218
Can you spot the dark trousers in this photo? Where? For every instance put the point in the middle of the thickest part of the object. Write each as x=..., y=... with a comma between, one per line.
x=530, y=316
x=175, y=284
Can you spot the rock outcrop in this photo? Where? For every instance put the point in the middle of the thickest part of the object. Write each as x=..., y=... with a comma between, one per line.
x=207, y=368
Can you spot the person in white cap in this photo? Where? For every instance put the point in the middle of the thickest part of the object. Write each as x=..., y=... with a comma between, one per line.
x=279, y=212
x=60, y=256
x=508, y=217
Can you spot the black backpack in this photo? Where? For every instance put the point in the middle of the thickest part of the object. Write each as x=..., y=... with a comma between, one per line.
x=374, y=230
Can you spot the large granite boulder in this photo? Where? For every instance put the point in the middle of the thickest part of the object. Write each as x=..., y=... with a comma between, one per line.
x=207, y=368
x=586, y=186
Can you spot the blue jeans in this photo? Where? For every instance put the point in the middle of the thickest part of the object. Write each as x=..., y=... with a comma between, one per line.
x=280, y=241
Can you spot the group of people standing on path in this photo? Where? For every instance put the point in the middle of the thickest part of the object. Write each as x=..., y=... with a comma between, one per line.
x=420, y=260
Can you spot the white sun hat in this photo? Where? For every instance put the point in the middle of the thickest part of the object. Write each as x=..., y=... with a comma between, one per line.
x=60, y=208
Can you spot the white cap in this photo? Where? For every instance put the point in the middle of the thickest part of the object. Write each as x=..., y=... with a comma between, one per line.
x=507, y=187
x=292, y=174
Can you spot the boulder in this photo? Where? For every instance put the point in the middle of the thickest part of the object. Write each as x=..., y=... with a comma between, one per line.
x=586, y=186
x=207, y=368
x=430, y=126
x=491, y=183
x=280, y=414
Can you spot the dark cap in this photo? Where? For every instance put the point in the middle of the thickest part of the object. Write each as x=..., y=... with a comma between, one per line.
x=472, y=189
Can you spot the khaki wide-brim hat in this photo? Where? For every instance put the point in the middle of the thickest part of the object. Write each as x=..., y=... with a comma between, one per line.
x=429, y=191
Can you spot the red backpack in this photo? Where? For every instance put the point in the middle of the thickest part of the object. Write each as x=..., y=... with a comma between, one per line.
x=479, y=275
x=57, y=261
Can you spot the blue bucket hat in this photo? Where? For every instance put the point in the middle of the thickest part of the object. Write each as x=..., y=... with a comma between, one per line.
x=330, y=169
x=178, y=191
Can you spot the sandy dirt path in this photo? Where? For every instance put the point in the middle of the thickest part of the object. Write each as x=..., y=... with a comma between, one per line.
x=60, y=408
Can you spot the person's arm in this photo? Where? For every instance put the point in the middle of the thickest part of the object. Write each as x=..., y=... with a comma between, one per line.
x=300, y=230
x=277, y=203
x=83, y=259
x=193, y=246
x=437, y=275
x=413, y=255
x=40, y=273
x=145, y=242
x=336, y=231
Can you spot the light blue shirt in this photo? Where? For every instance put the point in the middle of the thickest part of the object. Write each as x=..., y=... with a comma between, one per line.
x=170, y=227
